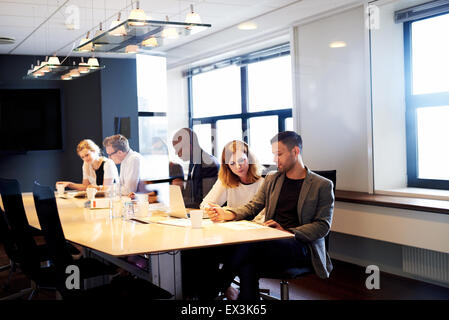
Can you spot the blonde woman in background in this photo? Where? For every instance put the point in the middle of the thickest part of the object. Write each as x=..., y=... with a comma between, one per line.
x=97, y=170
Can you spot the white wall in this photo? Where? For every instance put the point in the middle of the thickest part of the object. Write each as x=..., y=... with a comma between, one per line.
x=389, y=141
x=332, y=115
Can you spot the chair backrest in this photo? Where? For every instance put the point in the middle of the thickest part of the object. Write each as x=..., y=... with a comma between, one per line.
x=47, y=213
x=20, y=229
x=7, y=240
x=332, y=176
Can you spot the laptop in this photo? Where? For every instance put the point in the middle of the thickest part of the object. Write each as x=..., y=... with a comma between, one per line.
x=177, y=206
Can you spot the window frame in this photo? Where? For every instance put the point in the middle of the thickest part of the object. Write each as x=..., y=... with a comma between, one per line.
x=413, y=103
x=244, y=115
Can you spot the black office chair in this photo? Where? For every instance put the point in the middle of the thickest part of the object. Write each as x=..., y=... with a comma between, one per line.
x=61, y=258
x=12, y=251
x=295, y=273
x=29, y=255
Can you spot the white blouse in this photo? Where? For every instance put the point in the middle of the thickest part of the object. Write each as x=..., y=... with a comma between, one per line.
x=235, y=197
x=110, y=172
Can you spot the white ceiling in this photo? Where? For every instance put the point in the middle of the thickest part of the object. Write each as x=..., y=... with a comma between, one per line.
x=19, y=19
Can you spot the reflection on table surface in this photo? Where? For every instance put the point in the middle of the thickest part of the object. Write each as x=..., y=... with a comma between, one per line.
x=93, y=228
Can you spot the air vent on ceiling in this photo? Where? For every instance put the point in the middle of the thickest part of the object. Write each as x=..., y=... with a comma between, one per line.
x=6, y=40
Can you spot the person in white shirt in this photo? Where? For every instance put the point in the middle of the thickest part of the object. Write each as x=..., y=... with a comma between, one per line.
x=117, y=149
x=98, y=172
x=239, y=179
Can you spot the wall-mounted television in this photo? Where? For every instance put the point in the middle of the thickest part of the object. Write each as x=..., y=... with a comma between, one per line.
x=30, y=119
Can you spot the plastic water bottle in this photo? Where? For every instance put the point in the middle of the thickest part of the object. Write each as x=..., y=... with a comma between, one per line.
x=116, y=201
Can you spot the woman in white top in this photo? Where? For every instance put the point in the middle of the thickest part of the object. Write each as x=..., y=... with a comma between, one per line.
x=238, y=179
x=98, y=171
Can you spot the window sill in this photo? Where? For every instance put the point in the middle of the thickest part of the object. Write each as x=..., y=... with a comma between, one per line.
x=394, y=201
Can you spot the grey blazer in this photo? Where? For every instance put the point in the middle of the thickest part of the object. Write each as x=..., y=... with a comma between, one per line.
x=315, y=210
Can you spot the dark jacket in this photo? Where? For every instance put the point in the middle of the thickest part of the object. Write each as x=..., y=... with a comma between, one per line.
x=315, y=210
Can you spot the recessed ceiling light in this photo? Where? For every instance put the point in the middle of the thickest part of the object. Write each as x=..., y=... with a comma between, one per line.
x=248, y=25
x=337, y=44
x=6, y=40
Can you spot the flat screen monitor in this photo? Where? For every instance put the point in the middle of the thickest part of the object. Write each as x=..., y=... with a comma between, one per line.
x=30, y=119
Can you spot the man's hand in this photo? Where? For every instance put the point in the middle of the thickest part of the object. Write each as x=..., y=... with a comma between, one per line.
x=273, y=224
x=64, y=183
x=218, y=214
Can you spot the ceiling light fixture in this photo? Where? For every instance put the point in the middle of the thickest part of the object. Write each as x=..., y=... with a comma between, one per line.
x=85, y=43
x=138, y=14
x=132, y=48
x=248, y=25
x=146, y=34
x=169, y=32
x=337, y=44
x=192, y=16
x=117, y=31
x=150, y=42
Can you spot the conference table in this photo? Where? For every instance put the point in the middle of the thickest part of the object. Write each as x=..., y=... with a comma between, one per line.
x=154, y=235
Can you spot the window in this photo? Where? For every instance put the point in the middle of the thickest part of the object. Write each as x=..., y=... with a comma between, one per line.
x=427, y=99
x=247, y=98
x=152, y=112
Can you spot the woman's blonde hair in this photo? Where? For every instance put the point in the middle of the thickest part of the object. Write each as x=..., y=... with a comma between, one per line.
x=89, y=145
x=229, y=178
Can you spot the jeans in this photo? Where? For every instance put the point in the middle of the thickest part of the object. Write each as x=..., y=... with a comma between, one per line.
x=250, y=261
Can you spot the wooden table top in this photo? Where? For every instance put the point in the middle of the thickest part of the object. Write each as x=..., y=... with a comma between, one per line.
x=93, y=228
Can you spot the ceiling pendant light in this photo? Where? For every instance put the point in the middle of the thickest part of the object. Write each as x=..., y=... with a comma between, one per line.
x=37, y=67
x=31, y=69
x=169, y=32
x=86, y=47
x=74, y=72
x=137, y=14
x=93, y=63
x=150, y=42
x=100, y=31
x=192, y=16
x=44, y=65
x=83, y=67
x=54, y=62
x=118, y=32
x=132, y=48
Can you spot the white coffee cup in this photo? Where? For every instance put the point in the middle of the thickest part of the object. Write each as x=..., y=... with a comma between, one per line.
x=196, y=218
x=60, y=188
x=91, y=193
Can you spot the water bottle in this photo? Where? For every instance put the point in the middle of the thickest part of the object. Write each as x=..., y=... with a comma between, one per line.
x=116, y=200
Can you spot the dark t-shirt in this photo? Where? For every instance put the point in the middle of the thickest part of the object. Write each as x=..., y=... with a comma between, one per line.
x=286, y=213
x=100, y=174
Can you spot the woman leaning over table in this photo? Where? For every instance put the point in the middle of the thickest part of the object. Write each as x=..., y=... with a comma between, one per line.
x=97, y=170
x=239, y=179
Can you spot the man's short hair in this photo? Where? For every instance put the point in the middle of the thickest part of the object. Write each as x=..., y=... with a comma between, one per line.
x=118, y=142
x=289, y=138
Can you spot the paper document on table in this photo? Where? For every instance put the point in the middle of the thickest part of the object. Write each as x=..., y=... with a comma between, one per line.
x=183, y=222
x=242, y=225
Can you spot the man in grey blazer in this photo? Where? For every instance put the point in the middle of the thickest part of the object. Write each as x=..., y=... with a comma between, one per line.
x=296, y=201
